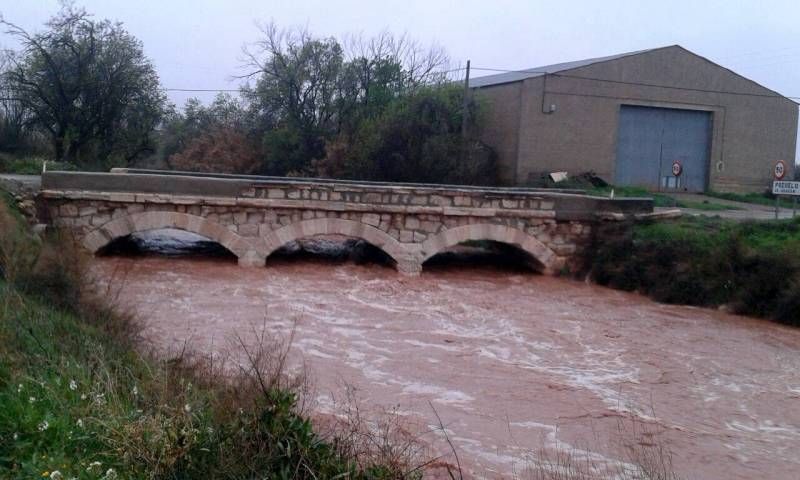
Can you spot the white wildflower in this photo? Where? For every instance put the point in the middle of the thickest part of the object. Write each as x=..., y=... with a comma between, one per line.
x=100, y=399
x=111, y=474
x=135, y=391
x=94, y=466
x=79, y=422
x=83, y=396
x=20, y=387
x=56, y=475
x=43, y=426
x=31, y=399
x=73, y=385
x=16, y=435
x=187, y=408
x=189, y=387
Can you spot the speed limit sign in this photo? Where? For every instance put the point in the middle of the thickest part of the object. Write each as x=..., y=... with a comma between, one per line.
x=677, y=168
x=780, y=170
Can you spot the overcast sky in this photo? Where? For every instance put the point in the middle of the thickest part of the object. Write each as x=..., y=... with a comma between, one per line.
x=197, y=44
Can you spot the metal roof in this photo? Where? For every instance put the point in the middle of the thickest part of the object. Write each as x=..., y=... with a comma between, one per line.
x=520, y=75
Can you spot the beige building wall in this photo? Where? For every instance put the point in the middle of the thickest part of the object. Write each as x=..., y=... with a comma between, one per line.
x=751, y=130
x=501, y=125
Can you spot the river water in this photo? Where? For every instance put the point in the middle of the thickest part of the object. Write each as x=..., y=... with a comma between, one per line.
x=513, y=363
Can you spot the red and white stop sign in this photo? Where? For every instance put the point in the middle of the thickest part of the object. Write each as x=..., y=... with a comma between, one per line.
x=780, y=170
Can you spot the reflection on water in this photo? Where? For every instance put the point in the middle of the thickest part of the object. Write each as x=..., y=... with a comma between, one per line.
x=512, y=362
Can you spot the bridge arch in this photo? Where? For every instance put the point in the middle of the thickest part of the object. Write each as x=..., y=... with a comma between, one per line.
x=143, y=221
x=402, y=256
x=550, y=263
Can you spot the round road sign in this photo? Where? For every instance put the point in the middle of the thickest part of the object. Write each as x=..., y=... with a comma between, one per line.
x=780, y=170
x=677, y=168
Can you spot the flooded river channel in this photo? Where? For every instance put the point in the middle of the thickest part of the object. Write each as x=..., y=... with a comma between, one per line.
x=512, y=362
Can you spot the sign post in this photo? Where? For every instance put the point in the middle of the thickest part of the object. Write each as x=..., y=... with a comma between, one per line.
x=777, y=206
x=779, y=172
x=786, y=188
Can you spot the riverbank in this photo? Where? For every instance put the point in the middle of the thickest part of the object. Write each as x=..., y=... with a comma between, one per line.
x=751, y=268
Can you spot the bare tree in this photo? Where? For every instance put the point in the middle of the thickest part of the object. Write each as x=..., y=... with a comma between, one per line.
x=296, y=74
x=421, y=65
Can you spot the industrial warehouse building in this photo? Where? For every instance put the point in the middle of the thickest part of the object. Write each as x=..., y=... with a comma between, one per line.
x=629, y=118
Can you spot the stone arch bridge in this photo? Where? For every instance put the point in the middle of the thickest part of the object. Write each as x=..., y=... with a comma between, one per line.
x=254, y=216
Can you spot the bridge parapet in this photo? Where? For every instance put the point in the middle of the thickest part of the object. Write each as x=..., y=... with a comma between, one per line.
x=254, y=216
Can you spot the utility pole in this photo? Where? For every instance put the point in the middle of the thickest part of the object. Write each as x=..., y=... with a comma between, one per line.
x=465, y=115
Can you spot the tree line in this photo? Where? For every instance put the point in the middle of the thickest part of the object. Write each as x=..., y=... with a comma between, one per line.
x=82, y=91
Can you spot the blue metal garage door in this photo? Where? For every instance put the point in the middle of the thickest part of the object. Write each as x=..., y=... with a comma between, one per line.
x=650, y=140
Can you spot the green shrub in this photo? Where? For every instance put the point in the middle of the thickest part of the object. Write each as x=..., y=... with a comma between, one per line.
x=752, y=266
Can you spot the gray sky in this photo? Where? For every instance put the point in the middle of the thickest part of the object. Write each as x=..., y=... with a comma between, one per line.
x=197, y=44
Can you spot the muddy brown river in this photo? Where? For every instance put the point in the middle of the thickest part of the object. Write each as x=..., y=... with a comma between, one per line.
x=513, y=363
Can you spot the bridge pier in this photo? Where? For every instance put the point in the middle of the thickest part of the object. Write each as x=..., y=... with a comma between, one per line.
x=252, y=260
x=409, y=268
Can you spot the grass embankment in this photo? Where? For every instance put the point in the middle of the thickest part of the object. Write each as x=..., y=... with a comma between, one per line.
x=757, y=198
x=751, y=267
x=79, y=399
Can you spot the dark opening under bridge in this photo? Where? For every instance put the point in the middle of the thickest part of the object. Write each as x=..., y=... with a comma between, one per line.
x=254, y=216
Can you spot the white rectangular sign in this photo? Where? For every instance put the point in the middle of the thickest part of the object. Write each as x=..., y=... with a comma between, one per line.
x=786, y=188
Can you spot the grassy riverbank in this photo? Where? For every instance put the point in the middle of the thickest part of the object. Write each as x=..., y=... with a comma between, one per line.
x=81, y=399
x=752, y=268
